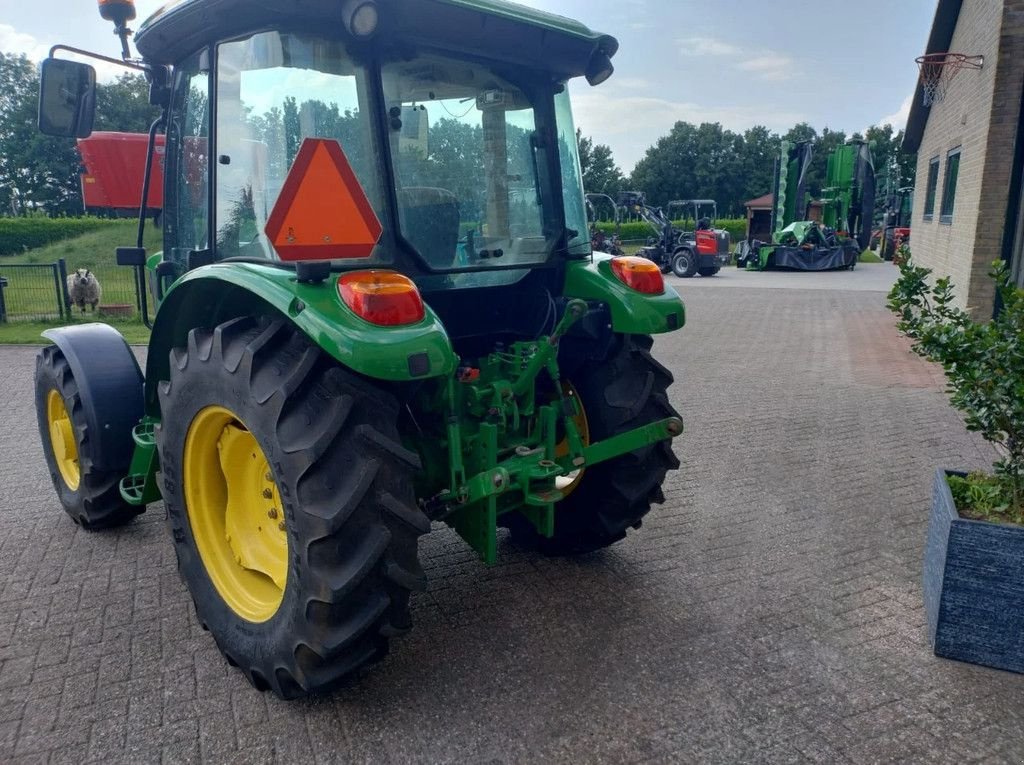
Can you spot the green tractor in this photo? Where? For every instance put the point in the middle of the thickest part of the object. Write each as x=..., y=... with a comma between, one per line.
x=377, y=308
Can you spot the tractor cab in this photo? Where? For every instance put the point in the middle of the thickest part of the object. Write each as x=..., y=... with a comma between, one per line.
x=378, y=307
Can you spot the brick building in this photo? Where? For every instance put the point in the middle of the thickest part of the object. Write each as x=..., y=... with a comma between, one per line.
x=970, y=152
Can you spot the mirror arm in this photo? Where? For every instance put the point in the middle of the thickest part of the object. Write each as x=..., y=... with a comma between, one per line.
x=98, y=57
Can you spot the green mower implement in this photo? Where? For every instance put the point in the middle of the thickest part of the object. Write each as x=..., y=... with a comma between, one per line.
x=843, y=230
x=377, y=307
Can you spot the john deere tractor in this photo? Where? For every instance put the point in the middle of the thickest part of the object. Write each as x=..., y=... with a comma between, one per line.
x=377, y=308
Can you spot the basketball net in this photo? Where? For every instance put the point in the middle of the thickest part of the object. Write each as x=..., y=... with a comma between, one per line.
x=939, y=69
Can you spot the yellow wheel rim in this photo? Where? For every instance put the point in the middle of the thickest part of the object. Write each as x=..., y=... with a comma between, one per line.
x=568, y=484
x=235, y=512
x=62, y=440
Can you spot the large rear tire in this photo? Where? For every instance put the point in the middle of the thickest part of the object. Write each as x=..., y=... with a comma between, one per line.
x=626, y=390
x=290, y=500
x=91, y=496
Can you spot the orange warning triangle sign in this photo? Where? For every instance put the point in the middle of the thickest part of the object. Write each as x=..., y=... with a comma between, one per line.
x=322, y=212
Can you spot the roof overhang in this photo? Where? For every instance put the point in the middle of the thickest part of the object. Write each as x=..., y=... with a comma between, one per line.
x=946, y=15
x=493, y=29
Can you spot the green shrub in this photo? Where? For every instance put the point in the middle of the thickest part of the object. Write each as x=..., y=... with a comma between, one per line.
x=984, y=364
x=20, y=234
x=737, y=228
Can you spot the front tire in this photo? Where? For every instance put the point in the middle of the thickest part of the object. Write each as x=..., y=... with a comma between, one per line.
x=684, y=264
x=290, y=500
x=624, y=391
x=92, y=497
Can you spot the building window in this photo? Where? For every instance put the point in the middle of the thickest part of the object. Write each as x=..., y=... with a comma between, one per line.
x=933, y=183
x=949, y=186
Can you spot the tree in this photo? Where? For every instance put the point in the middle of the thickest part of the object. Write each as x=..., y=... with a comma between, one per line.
x=37, y=172
x=600, y=173
x=123, y=105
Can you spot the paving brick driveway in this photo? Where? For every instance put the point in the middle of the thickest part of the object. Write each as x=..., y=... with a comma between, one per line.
x=770, y=611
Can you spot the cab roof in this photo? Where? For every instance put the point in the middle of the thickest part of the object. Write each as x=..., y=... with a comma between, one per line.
x=489, y=28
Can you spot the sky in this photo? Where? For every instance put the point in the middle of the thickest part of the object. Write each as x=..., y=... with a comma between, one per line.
x=831, y=63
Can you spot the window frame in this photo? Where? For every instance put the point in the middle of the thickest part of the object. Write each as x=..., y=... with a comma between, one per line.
x=948, y=190
x=176, y=111
x=931, y=188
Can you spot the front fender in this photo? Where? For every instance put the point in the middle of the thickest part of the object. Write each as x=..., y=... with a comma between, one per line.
x=633, y=313
x=110, y=386
x=208, y=295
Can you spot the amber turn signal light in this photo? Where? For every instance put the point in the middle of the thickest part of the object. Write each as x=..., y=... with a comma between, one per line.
x=385, y=298
x=117, y=11
x=639, y=274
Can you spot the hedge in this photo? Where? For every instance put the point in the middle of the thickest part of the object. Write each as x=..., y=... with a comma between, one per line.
x=737, y=228
x=20, y=234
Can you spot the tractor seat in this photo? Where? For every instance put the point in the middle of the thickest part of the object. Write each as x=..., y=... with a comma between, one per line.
x=430, y=220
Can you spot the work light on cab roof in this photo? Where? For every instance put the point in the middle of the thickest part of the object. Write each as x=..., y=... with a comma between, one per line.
x=378, y=310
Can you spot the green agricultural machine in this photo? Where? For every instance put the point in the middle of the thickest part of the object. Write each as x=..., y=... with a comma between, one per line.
x=847, y=207
x=377, y=308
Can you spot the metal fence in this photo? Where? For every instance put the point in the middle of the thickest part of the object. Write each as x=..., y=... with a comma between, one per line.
x=39, y=292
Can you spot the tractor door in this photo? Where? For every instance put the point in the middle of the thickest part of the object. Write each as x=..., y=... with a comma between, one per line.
x=187, y=174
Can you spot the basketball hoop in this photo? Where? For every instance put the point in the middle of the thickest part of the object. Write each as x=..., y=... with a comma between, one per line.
x=939, y=69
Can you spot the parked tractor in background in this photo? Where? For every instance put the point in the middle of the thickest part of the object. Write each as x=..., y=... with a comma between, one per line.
x=847, y=208
x=358, y=334
x=708, y=248
x=670, y=247
x=896, y=223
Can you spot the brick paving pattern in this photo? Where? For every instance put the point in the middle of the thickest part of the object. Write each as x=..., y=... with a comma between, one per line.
x=770, y=611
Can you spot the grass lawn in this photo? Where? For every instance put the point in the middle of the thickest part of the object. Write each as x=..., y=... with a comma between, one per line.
x=95, y=251
x=92, y=250
x=30, y=332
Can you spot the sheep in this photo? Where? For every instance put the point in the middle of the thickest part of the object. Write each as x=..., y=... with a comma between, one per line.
x=84, y=287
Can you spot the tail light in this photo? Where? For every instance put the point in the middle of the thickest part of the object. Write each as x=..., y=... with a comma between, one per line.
x=385, y=298
x=639, y=274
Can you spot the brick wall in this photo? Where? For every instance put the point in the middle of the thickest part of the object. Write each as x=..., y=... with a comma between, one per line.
x=979, y=115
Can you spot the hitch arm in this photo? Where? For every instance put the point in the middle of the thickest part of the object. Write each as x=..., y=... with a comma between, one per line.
x=631, y=440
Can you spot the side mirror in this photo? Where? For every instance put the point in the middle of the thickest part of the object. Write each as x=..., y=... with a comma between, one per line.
x=67, y=98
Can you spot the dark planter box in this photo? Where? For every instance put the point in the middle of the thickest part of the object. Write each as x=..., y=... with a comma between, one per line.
x=973, y=586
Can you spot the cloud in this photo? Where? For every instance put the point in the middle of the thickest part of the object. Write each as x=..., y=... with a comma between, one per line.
x=763, y=64
x=898, y=119
x=707, y=46
x=13, y=41
x=773, y=67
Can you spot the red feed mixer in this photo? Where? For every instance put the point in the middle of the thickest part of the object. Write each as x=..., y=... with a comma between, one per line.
x=113, y=165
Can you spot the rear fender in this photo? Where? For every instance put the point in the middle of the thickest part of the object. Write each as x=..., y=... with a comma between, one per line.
x=209, y=295
x=632, y=312
x=109, y=382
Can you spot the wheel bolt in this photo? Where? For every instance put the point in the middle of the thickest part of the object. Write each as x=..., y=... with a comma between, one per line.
x=269, y=477
x=267, y=494
x=281, y=525
x=272, y=513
